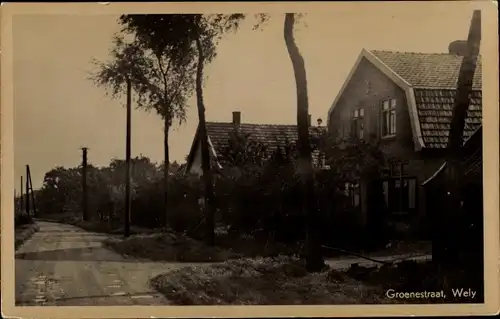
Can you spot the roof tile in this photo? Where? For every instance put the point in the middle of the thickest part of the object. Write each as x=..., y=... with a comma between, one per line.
x=272, y=135
x=427, y=70
x=434, y=111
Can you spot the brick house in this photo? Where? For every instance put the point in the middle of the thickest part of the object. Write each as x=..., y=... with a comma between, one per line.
x=404, y=101
x=219, y=133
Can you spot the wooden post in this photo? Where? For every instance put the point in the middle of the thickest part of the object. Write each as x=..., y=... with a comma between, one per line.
x=21, y=196
x=84, y=185
x=127, y=158
x=27, y=191
x=29, y=185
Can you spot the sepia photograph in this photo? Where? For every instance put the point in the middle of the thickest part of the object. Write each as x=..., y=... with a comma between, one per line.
x=243, y=154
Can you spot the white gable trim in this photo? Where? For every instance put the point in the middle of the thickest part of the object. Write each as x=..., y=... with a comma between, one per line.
x=436, y=173
x=399, y=81
x=415, y=123
x=195, y=146
x=212, y=148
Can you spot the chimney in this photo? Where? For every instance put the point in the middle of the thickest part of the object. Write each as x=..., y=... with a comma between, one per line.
x=237, y=118
x=309, y=120
x=458, y=47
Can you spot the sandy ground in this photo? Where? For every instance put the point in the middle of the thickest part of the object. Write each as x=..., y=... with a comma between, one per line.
x=62, y=265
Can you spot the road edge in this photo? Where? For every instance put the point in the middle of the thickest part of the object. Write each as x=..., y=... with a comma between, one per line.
x=24, y=233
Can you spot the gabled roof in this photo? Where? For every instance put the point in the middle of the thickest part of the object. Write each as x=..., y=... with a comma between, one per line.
x=427, y=70
x=429, y=81
x=272, y=135
x=434, y=109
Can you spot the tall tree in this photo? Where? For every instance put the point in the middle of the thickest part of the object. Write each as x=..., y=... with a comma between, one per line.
x=161, y=76
x=190, y=33
x=449, y=248
x=314, y=257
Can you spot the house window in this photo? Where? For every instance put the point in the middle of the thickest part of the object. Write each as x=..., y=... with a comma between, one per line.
x=388, y=117
x=400, y=194
x=400, y=190
x=353, y=193
x=357, y=124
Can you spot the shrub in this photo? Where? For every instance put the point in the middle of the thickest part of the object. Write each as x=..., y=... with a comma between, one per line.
x=254, y=197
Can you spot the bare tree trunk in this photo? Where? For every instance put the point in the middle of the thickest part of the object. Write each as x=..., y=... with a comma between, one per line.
x=166, y=158
x=451, y=224
x=205, y=155
x=314, y=258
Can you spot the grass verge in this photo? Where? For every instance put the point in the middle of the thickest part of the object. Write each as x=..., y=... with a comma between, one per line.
x=104, y=227
x=168, y=246
x=23, y=233
x=284, y=280
x=269, y=281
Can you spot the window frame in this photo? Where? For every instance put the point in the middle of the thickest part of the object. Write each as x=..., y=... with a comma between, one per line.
x=388, y=120
x=357, y=123
x=391, y=195
x=351, y=191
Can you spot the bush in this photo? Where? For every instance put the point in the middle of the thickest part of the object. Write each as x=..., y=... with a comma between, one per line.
x=256, y=198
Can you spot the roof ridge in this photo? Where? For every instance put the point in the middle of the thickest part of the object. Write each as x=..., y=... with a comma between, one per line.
x=410, y=52
x=254, y=124
x=416, y=53
x=442, y=88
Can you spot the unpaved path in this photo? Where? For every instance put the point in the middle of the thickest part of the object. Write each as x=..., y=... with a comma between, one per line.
x=62, y=265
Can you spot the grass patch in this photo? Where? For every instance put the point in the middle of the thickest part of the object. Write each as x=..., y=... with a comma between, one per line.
x=23, y=233
x=281, y=280
x=168, y=246
x=116, y=228
x=251, y=247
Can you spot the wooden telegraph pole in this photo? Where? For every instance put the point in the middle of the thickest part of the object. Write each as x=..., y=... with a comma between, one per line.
x=127, y=157
x=27, y=206
x=84, y=184
x=22, y=195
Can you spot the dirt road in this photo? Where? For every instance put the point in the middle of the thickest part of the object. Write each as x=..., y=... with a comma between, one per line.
x=62, y=265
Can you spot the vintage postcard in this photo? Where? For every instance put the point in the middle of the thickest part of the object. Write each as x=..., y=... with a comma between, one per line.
x=249, y=159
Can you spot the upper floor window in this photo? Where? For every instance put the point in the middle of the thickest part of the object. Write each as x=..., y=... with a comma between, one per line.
x=388, y=117
x=357, y=124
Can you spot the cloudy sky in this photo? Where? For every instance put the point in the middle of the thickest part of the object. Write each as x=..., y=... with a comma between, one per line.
x=57, y=110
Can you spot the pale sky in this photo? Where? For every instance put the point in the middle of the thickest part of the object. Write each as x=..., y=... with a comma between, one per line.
x=57, y=110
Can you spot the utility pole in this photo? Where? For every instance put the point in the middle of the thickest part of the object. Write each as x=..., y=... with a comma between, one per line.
x=22, y=195
x=29, y=186
x=27, y=191
x=127, y=158
x=84, y=184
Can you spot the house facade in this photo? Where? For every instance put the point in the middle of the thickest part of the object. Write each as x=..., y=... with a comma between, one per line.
x=273, y=136
x=404, y=102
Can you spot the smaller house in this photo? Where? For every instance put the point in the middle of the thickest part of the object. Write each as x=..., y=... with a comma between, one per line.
x=274, y=136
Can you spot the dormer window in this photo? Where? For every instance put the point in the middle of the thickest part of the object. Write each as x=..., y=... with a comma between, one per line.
x=357, y=124
x=388, y=120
